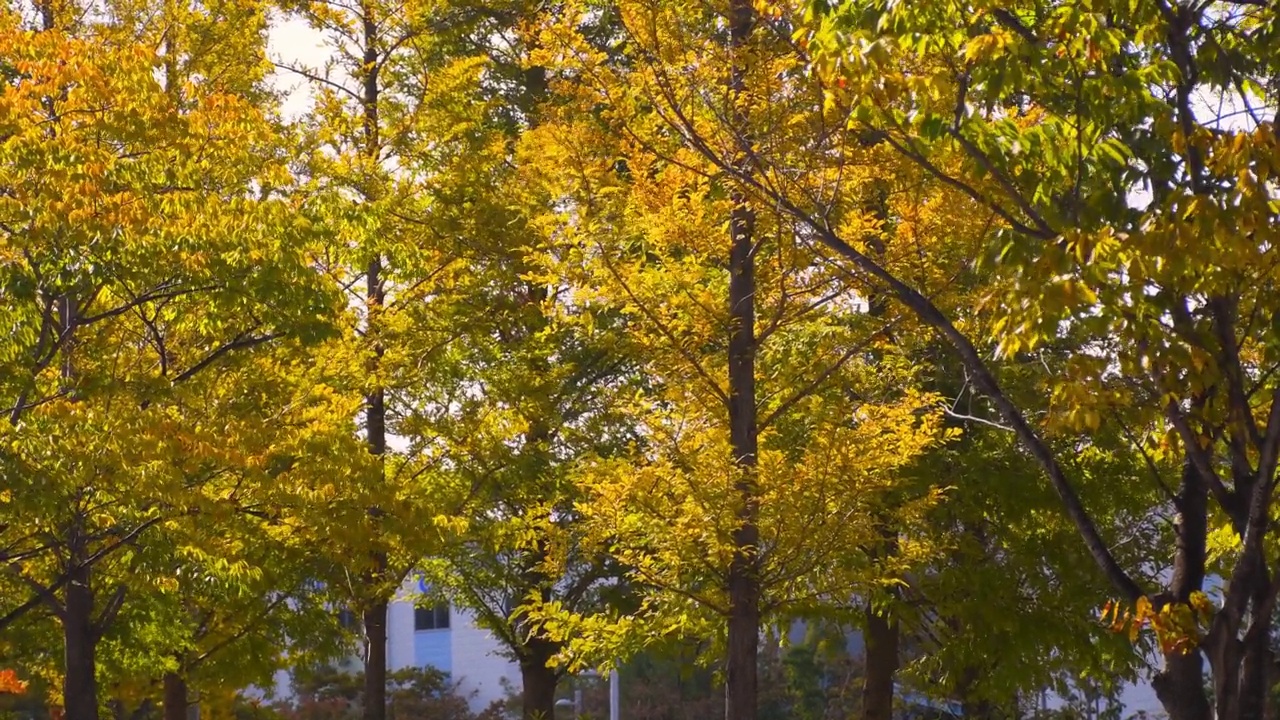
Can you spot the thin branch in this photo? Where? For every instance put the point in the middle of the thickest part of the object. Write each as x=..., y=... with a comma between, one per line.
x=974, y=418
x=161, y=292
x=965, y=188
x=242, y=341
x=825, y=375
x=13, y=615
x=245, y=630
x=110, y=610
x=43, y=594
x=1203, y=463
x=1045, y=230
x=1146, y=456
x=666, y=331
x=322, y=80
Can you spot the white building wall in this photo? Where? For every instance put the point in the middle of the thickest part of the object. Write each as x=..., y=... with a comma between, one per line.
x=474, y=654
x=478, y=663
x=400, y=645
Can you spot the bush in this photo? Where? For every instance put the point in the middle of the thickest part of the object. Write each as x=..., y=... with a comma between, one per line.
x=412, y=694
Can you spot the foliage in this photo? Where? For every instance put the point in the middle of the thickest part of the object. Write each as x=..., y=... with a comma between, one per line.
x=328, y=694
x=641, y=227
x=1128, y=153
x=487, y=311
x=160, y=296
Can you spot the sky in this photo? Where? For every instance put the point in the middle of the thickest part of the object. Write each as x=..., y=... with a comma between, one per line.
x=292, y=42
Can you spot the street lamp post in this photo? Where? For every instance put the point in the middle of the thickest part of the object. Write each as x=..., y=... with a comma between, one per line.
x=615, y=697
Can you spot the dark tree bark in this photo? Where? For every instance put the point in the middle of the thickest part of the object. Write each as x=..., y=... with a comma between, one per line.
x=375, y=614
x=1180, y=684
x=538, y=681
x=176, y=701
x=881, y=640
x=741, y=681
x=80, y=645
x=375, y=661
x=374, y=617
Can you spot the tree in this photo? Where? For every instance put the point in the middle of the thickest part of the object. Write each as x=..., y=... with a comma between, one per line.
x=744, y=496
x=528, y=382
x=1009, y=607
x=234, y=598
x=1132, y=219
x=382, y=109
x=146, y=249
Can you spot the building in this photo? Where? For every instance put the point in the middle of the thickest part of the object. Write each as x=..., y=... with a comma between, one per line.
x=443, y=637
x=447, y=638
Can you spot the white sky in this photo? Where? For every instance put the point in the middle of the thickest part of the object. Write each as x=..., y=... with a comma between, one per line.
x=292, y=42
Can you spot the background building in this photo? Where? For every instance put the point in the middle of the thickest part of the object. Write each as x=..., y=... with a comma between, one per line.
x=439, y=636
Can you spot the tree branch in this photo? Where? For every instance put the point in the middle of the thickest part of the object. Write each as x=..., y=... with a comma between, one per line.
x=817, y=382
x=244, y=340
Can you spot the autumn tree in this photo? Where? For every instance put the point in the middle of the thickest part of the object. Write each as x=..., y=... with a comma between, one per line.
x=1009, y=607
x=1126, y=154
x=146, y=250
x=383, y=122
x=522, y=386
x=766, y=363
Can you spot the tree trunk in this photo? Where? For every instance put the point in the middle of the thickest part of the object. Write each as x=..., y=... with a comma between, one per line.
x=1257, y=657
x=375, y=615
x=741, y=681
x=538, y=683
x=176, y=703
x=375, y=662
x=881, y=665
x=80, y=644
x=1239, y=670
x=1180, y=685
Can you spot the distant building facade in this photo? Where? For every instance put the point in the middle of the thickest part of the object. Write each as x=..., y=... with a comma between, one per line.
x=442, y=637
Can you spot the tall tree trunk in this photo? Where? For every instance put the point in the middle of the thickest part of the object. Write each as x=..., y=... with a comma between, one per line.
x=176, y=702
x=881, y=641
x=741, y=682
x=80, y=644
x=1180, y=684
x=1255, y=660
x=375, y=661
x=375, y=614
x=1180, y=687
x=1254, y=690
x=538, y=685
x=1239, y=666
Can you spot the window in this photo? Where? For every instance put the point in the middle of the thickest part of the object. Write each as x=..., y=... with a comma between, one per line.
x=431, y=618
x=348, y=620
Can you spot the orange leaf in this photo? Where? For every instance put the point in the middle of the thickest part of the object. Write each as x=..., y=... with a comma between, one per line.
x=11, y=684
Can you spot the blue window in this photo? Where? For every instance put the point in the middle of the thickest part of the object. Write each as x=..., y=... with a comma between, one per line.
x=348, y=620
x=431, y=618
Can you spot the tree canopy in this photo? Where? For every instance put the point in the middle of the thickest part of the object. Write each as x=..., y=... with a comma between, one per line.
x=634, y=327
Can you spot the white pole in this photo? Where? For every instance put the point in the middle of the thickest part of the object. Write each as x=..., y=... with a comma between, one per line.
x=615, y=696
